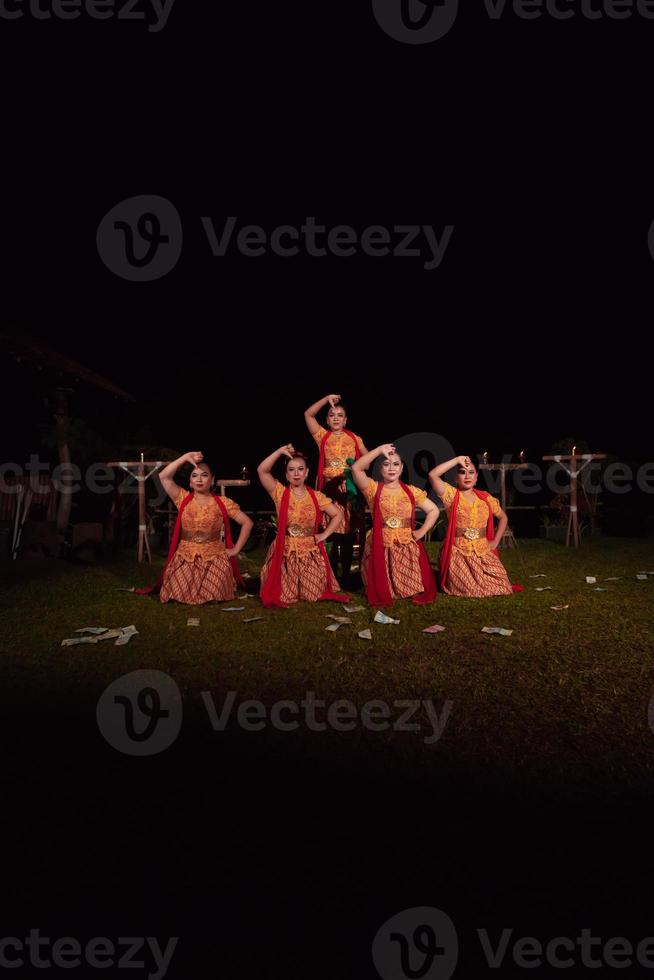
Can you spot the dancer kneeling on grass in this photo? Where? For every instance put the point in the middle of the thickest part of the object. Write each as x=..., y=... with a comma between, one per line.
x=469, y=564
x=200, y=566
x=296, y=566
x=395, y=563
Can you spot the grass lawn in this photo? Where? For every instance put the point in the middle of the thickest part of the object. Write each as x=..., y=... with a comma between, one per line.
x=568, y=690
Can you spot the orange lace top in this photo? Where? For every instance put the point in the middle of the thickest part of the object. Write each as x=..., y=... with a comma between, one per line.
x=301, y=514
x=338, y=448
x=394, y=503
x=473, y=514
x=202, y=527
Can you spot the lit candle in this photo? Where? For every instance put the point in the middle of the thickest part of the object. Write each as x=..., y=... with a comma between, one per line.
x=485, y=459
x=574, y=449
x=141, y=457
x=522, y=455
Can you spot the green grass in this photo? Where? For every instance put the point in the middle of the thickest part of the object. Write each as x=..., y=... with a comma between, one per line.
x=569, y=690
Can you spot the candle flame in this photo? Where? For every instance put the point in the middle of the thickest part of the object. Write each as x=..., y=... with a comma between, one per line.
x=574, y=449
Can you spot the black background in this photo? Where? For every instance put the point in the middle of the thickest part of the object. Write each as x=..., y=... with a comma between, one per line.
x=532, y=139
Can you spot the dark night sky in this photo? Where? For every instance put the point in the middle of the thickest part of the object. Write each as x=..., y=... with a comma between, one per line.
x=532, y=329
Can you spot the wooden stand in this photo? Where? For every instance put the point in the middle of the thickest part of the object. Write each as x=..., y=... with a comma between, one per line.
x=141, y=470
x=230, y=483
x=573, y=535
x=509, y=539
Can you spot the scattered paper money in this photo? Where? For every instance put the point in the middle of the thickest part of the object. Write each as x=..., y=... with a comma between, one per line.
x=246, y=595
x=124, y=638
x=646, y=573
x=590, y=579
x=559, y=608
x=352, y=609
x=539, y=575
x=109, y=635
x=122, y=589
x=253, y=619
x=233, y=608
x=544, y=588
x=364, y=635
x=641, y=578
x=434, y=629
x=192, y=621
x=600, y=590
x=338, y=619
x=96, y=630
x=245, y=575
x=79, y=639
x=497, y=630
x=381, y=617
x=333, y=627
x=612, y=578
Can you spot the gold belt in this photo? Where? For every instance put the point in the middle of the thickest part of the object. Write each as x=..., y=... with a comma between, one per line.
x=198, y=538
x=335, y=464
x=395, y=522
x=471, y=533
x=297, y=531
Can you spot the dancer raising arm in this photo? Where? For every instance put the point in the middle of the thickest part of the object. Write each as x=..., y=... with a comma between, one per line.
x=469, y=563
x=296, y=566
x=395, y=563
x=337, y=445
x=200, y=566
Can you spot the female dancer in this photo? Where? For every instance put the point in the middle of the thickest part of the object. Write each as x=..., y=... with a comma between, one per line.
x=395, y=563
x=469, y=564
x=200, y=566
x=337, y=444
x=296, y=566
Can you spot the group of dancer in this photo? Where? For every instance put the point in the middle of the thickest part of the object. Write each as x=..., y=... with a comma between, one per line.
x=202, y=563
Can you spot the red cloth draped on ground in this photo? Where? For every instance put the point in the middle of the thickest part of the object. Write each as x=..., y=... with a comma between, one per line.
x=154, y=589
x=379, y=590
x=448, y=544
x=320, y=480
x=271, y=594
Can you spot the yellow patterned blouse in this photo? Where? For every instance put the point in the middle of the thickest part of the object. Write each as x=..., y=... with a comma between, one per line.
x=394, y=503
x=202, y=526
x=473, y=514
x=337, y=450
x=301, y=514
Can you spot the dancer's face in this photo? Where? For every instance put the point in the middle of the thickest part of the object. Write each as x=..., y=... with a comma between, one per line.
x=201, y=479
x=391, y=468
x=466, y=477
x=336, y=419
x=296, y=472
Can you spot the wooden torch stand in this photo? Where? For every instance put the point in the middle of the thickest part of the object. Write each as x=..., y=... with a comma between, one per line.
x=573, y=535
x=509, y=539
x=141, y=470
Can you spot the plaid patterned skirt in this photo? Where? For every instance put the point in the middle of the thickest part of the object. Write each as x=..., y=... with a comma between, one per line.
x=199, y=581
x=477, y=576
x=304, y=577
x=402, y=568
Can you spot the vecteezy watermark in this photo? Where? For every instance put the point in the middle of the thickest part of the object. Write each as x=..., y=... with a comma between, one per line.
x=420, y=452
x=417, y=943
x=100, y=953
x=140, y=239
x=422, y=942
x=154, y=12
x=140, y=714
x=424, y=21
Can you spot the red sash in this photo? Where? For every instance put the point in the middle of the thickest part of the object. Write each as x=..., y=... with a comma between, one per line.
x=271, y=593
x=320, y=480
x=446, y=550
x=154, y=589
x=379, y=589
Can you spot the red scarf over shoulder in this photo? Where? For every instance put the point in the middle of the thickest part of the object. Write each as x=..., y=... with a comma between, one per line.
x=448, y=544
x=271, y=593
x=154, y=589
x=320, y=480
x=379, y=590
